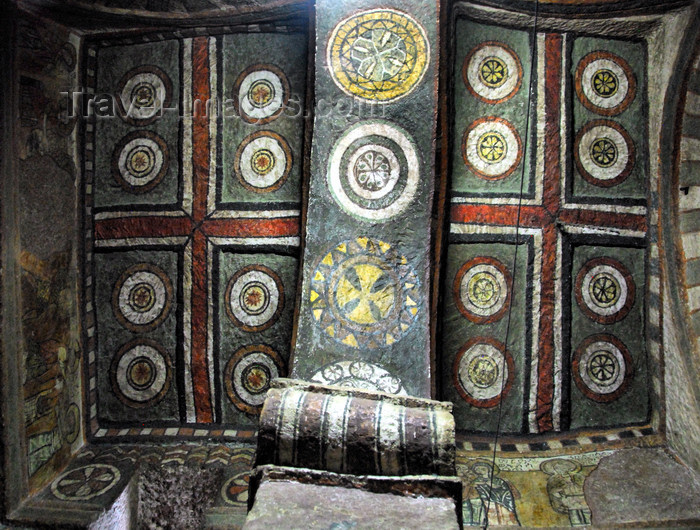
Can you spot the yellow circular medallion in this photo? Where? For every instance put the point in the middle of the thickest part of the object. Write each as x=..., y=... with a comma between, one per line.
x=379, y=55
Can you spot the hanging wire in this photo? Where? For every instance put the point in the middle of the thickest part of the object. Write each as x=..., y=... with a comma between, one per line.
x=533, y=61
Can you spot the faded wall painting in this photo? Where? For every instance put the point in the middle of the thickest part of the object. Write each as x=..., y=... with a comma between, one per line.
x=50, y=345
x=526, y=491
x=364, y=313
x=193, y=193
x=544, y=307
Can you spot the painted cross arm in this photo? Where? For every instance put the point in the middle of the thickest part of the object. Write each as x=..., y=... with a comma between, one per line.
x=538, y=217
x=160, y=227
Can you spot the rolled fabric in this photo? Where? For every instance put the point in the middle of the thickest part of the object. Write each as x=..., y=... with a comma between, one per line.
x=354, y=431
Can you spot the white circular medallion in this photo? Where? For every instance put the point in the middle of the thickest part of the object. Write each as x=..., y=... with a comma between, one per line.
x=482, y=289
x=251, y=388
x=86, y=482
x=492, y=72
x=142, y=297
x=602, y=367
x=263, y=161
x=142, y=94
x=140, y=161
x=373, y=171
x=604, y=290
x=248, y=374
x=481, y=371
x=491, y=148
x=141, y=373
x=605, y=83
x=254, y=298
x=260, y=93
x=603, y=153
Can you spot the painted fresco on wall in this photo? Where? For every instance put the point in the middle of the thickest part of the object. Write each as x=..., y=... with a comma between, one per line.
x=51, y=384
x=364, y=314
x=526, y=491
x=545, y=276
x=196, y=196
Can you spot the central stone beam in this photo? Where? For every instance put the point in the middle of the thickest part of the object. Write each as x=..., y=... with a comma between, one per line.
x=364, y=318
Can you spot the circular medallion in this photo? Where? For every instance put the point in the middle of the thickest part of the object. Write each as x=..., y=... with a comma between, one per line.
x=373, y=171
x=71, y=423
x=248, y=374
x=141, y=372
x=263, y=161
x=235, y=490
x=605, y=83
x=602, y=368
x=492, y=72
x=379, y=55
x=84, y=483
x=605, y=290
x=140, y=161
x=254, y=298
x=142, y=297
x=260, y=93
x=359, y=374
x=491, y=148
x=604, y=153
x=482, y=290
x=364, y=294
x=483, y=372
x=142, y=94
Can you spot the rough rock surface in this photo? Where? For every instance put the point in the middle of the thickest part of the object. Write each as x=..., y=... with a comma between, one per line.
x=643, y=486
x=293, y=505
x=175, y=497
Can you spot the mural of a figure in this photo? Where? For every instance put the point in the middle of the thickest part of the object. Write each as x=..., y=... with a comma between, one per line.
x=488, y=499
x=52, y=421
x=565, y=490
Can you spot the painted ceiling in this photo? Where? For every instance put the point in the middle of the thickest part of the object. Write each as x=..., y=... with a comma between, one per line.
x=193, y=224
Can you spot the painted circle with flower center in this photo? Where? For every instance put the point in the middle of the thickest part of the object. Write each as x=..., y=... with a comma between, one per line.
x=142, y=297
x=483, y=372
x=141, y=372
x=482, y=289
x=142, y=94
x=605, y=290
x=254, y=298
x=605, y=83
x=492, y=72
x=85, y=483
x=491, y=148
x=263, y=161
x=235, y=490
x=364, y=294
x=379, y=55
x=604, y=153
x=140, y=161
x=248, y=374
x=602, y=367
x=261, y=93
x=374, y=171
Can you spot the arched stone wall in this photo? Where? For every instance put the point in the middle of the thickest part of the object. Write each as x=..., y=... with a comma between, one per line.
x=681, y=229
